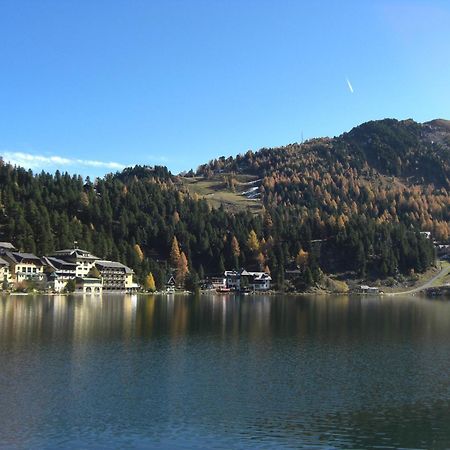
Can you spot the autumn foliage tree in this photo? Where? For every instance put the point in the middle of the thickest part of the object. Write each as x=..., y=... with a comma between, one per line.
x=182, y=269
x=235, y=250
x=149, y=283
x=252, y=241
x=175, y=253
x=139, y=252
x=302, y=259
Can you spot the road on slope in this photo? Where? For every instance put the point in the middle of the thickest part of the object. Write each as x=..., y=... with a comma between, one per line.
x=445, y=270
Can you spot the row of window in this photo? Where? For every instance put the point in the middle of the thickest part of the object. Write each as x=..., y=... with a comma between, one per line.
x=25, y=269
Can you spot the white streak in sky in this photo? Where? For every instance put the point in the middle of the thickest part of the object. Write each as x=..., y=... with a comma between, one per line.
x=350, y=87
x=38, y=161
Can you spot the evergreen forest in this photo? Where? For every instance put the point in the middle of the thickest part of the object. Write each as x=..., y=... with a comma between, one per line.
x=355, y=203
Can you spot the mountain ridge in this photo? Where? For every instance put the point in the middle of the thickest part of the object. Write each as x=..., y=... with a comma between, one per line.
x=369, y=142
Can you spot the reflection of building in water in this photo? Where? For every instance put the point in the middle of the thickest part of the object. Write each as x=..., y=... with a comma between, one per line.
x=112, y=315
x=256, y=315
x=21, y=318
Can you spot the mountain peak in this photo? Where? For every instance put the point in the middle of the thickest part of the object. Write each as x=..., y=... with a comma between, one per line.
x=439, y=123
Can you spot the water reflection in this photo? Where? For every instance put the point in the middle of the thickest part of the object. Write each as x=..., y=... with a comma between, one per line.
x=224, y=371
x=78, y=318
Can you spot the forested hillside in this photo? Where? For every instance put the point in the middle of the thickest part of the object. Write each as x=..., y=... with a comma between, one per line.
x=386, y=170
x=352, y=203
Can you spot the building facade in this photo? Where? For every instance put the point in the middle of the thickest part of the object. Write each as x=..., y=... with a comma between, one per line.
x=83, y=260
x=5, y=274
x=59, y=272
x=88, y=286
x=116, y=276
x=24, y=266
x=253, y=281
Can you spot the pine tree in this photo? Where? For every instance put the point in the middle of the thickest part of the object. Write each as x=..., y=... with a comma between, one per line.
x=361, y=261
x=308, y=277
x=201, y=272
x=70, y=286
x=192, y=282
x=221, y=265
x=261, y=260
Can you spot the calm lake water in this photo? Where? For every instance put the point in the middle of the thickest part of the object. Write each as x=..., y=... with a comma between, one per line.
x=224, y=372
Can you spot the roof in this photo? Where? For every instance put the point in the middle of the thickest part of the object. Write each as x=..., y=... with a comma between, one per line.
x=76, y=252
x=7, y=245
x=231, y=273
x=113, y=265
x=256, y=275
x=58, y=263
x=19, y=257
x=245, y=273
x=3, y=262
x=260, y=275
x=365, y=287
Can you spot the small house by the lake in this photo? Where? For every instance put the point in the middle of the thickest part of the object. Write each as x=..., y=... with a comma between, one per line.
x=243, y=279
x=364, y=289
x=89, y=286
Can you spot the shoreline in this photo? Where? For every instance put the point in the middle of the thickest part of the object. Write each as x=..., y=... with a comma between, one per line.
x=212, y=294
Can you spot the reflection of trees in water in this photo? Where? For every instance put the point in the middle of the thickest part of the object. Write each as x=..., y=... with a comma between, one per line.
x=31, y=318
x=331, y=371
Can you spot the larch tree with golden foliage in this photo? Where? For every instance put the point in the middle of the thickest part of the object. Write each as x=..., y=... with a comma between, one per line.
x=252, y=241
x=302, y=259
x=175, y=253
x=236, y=250
x=182, y=269
x=149, y=283
x=139, y=252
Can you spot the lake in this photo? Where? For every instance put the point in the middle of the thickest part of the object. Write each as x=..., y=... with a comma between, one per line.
x=224, y=372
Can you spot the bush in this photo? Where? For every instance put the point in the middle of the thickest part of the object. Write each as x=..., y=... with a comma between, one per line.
x=70, y=286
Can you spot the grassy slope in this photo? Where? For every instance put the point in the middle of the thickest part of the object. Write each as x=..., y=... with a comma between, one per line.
x=217, y=193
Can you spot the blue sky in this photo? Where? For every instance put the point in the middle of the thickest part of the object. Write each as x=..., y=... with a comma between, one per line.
x=92, y=86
